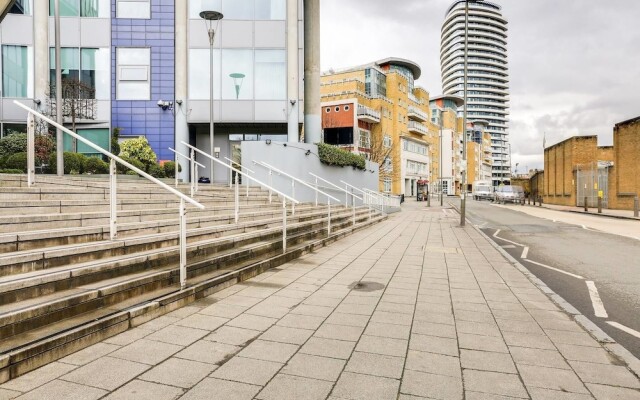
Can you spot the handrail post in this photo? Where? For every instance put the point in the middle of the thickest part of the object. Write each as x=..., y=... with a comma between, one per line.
x=197, y=175
x=293, y=194
x=246, y=184
x=316, y=191
x=329, y=217
x=183, y=245
x=284, y=225
x=230, y=175
x=353, y=205
x=346, y=195
x=31, y=156
x=113, y=184
x=192, y=168
x=237, y=196
x=270, y=184
x=176, y=172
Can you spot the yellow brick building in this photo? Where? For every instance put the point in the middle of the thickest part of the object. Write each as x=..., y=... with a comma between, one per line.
x=376, y=110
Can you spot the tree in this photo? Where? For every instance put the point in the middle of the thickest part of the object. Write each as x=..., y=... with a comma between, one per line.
x=78, y=102
x=382, y=152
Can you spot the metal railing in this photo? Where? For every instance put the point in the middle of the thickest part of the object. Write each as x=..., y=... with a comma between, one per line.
x=368, y=198
x=113, y=217
x=237, y=204
x=193, y=168
x=347, y=194
x=418, y=127
x=385, y=199
x=365, y=111
x=293, y=189
x=242, y=167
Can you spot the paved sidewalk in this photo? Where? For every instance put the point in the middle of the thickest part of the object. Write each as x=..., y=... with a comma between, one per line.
x=625, y=214
x=413, y=308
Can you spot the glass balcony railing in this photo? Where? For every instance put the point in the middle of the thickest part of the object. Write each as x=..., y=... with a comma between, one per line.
x=417, y=127
x=368, y=114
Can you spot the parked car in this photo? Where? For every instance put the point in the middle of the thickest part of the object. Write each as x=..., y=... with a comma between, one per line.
x=509, y=194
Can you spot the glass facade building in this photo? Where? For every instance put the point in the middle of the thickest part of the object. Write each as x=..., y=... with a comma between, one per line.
x=487, y=71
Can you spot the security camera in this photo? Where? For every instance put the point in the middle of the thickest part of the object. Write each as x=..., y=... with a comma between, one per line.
x=160, y=103
x=179, y=102
x=37, y=101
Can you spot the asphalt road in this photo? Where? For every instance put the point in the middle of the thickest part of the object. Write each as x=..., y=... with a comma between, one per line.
x=579, y=255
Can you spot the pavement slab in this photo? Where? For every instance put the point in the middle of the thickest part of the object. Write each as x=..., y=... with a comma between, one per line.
x=412, y=308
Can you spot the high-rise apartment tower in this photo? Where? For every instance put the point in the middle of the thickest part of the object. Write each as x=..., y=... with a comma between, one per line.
x=487, y=72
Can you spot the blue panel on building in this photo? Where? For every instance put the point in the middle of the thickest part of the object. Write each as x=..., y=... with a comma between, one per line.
x=144, y=117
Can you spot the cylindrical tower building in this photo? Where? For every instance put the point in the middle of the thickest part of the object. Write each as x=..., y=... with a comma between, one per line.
x=487, y=72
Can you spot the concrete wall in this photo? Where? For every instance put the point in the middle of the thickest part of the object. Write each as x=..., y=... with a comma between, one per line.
x=292, y=160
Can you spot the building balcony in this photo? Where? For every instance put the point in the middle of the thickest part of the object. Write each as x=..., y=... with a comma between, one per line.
x=368, y=114
x=417, y=115
x=417, y=127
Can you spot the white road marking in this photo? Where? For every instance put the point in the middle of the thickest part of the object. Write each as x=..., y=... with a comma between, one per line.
x=495, y=235
x=624, y=329
x=525, y=252
x=555, y=269
x=508, y=246
x=598, y=305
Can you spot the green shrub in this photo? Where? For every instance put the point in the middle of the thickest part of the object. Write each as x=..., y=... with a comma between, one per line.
x=156, y=171
x=138, y=149
x=115, y=145
x=170, y=169
x=3, y=161
x=17, y=161
x=74, y=163
x=12, y=144
x=136, y=163
x=11, y=171
x=130, y=172
x=94, y=165
x=333, y=155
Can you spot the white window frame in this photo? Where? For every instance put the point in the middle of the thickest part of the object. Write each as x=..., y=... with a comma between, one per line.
x=144, y=3
x=137, y=68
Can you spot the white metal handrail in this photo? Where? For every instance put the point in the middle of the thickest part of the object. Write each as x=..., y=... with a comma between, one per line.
x=284, y=196
x=370, y=197
x=293, y=189
x=347, y=194
x=193, y=167
x=113, y=223
x=242, y=167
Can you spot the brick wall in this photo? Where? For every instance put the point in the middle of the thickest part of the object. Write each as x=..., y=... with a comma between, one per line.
x=624, y=177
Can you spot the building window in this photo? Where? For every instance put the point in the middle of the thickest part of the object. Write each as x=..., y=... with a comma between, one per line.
x=386, y=141
x=328, y=110
x=238, y=9
x=133, y=9
x=17, y=77
x=271, y=75
x=387, y=185
x=21, y=7
x=88, y=66
x=271, y=9
x=199, y=74
x=237, y=63
x=365, y=139
x=82, y=8
x=346, y=108
x=9, y=129
x=133, y=80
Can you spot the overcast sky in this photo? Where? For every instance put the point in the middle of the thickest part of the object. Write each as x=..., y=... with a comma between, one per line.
x=574, y=64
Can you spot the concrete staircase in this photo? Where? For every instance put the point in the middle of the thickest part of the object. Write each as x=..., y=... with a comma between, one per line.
x=64, y=285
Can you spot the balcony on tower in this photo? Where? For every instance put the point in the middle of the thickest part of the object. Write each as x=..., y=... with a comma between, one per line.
x=367, y=114
x=417, y=114
x=417, y=127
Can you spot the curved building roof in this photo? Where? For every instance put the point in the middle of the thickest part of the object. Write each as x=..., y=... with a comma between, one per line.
x=480, y=3
x=412, y=66
x=458, y=101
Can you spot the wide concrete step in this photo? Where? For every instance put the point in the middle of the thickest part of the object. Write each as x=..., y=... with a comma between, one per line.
x=37, y=347
x=26, y=232
x=22, y=316
x=37, y=259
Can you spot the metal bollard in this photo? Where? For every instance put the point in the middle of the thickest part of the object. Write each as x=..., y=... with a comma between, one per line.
x=599, y=205
x=636, y=207
x=586, y=206
x=539, y=201
x=529, y=200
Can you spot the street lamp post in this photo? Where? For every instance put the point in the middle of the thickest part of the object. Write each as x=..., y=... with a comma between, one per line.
x=211, y=18
x=440, y=164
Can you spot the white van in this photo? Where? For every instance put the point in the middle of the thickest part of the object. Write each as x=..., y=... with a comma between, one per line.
x=482, y=190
